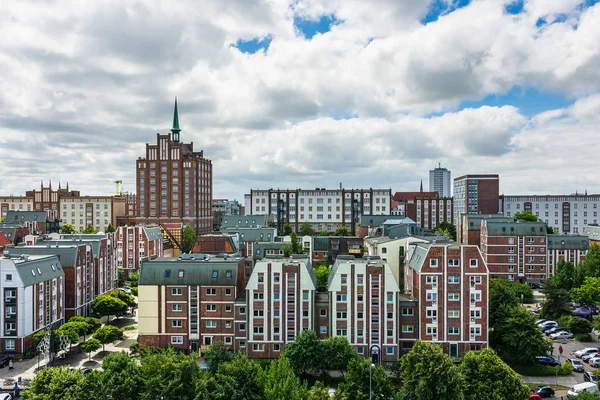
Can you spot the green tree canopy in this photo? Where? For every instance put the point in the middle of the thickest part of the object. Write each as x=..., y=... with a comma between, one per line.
x=322, y=275
x=427, y=373
x=168, y=374
x=446, y=228
x=133, y=279
x=324, y=233
x=287, y=229
x=355, y=385
x=110, y=228
x=217, y=354
x=280, y=382
x=564, y=276
x=522, y=289
x=319, y=392
x=89, y=229
x=486, y=376
x=554, y=307
x=90, y=345
x=121, y=378
x=526, y=215
x=68, y=229
x=341, y=231
x=92, y=323
x=80, y=328
x=578, y=325
x=188, y=238
x=240, y=378
x=124, y=297
x=54, y=384
x=306, y=229
x=589, y=267
x=305, y=353
x=587, y=294
x=106, y=305
x=338, y=353
x=500, y=295
x=108, y=334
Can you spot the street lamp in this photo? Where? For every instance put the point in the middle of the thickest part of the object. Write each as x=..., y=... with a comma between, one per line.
x=370, y=380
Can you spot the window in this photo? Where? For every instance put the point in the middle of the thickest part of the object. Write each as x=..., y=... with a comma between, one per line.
x=433, y=263
x=454, y=262
x=177, y=307
x=259, y=347
x=211, y=291
x=359, y=298
x=344, y=280
x=259, y=313
x=275, y=296
x=473, y=262
x=211, y=307
x=261, y=278
x=176, y=292
x=227, y=292
x=215, y=274
x=431, y=330
x=453, y=314
x=8, y=277
x=211, y=323
x=177, y=323
x=176, y=339
x=453, y=279
x=408, y=311
x=259, y=296
x=390, y=297
x=453, y=330
x=342, y=297
x=453, y=297
x=342, y=315
x=242, y=310
x=407, y=329
x=323, y=312
x=259, y=330
x=389, y=350
x=359, y=280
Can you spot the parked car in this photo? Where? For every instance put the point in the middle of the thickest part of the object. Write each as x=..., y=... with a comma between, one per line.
x=546, y=328
x=589, y=356
x=546, y=360
x=561, y=335
x=125, y=289
x=555, y=330
x=548, y=325
x=544, y=391
x=595, y=362
x=5, y=396
x=535, y=285
x=535, y=396
x=587, y=350
x=4, y=360
x=590, y=377
x=576, y=390
x=85, y=371
x=540, y=321
x=577, y=365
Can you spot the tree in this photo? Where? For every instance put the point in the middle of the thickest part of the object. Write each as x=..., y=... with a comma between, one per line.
x=319, y=392
x=578, y=325
x=108, y=334
x=306, y=353
x=3, y=220
x=92, y=323
x=356, y=381
x=564, y=275
x=296, y=247
x=589, y=267
x=526, y=215
x=240, y=379
x=79, y=328
x=322, y=275
x=217, y=354
x=324, y=233
x=516, y=337
x=89, y=346
x=188, y=239
x=446, y=228
x=106, y=305
x=168, y=374
x=54, y=384
x=89, y=229
x=589, y=293
x=486, y=376
x=427, y=373
x=280, y=382
x=110, y=228
x=287, y=229
x=341, y=231
x=555, y=305
x=68, y=229
x=121, y=378
x=522, y=289
x=134, y=278
x=124, y=297
x=306, y=229
x=500, y=295
x=338, y=353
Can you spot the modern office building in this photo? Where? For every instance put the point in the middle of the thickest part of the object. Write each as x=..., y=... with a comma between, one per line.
x=174, y=183
x=568, y=214
x=439, y=181
x=476, y=194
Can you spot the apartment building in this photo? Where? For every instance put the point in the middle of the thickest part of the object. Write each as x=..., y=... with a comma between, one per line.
x=280, y=295
x=174, y=183
x=32, y=298
x=448, y=285
x=15, y=233
x=564, y=213
x=248, y=237
x=363, y=304
x=79, y=273
x=189, y=302
x=468, y=230
x=324, y=209
x=34, y=221
x=516, y=251
x=571, y=248
x=426, y=208
x=476, y=194
x=133, y=243
x=98, y=211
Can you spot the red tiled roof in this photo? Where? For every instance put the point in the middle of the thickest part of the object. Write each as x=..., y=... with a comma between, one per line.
x=4, y=240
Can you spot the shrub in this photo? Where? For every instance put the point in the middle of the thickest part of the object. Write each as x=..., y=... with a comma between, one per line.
x=580, y=325
x=134, y=291
x=544, y=370
x=584, y=337
x=129, y=328
x=565, y=320
x=134, y=348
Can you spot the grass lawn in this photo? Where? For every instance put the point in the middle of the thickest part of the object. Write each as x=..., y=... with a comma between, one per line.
x=555, y=387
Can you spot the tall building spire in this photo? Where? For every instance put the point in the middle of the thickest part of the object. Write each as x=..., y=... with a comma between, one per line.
x=175, y=129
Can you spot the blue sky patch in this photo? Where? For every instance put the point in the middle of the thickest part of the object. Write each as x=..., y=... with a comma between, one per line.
x=310, y=28
x=254, y=45
x=528, y=100
x=540, y=22
x=587, y=3
x=439, y=8
x=516, y=7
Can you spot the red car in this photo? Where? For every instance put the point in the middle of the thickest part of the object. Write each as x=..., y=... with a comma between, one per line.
x=535, y=396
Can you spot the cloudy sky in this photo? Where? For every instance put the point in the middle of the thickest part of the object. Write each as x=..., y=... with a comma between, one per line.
x=303, y=93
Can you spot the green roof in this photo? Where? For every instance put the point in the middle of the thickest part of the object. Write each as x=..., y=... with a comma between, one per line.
x=175, y=127
x=66, y=254
x=167, y=271
x=519, y=228
x=243, y=221
x=474, y=220
x=253, y=234
x=13, y=216
x=77, y=236
x=568, y=242
x=43, y=267
x=95, y=243
x=153, y=233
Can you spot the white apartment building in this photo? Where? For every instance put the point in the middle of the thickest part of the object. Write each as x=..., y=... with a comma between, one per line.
x=88, y=210
x=564, y=213
x=32, y=297
x=15, y=203
x=324, y=209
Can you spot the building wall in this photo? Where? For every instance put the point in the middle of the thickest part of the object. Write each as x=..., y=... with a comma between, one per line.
x=439, y=181
x=476, y=194
x=131, y=245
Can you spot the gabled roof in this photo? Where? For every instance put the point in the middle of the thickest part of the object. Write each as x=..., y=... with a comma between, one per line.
x=568, y=242
x=95, y=243
x=474, y=220
x=4, y=240
x=374, y=220
x=520, y=228
x=66, y=254
x=153, y=233
x=167, y=271
x=253, y=234
x=402, y=196
x=37, y=269
x=17, y=216
x=418, y=256
x=77, y=236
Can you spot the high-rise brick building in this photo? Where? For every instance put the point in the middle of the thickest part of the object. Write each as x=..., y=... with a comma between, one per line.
x=476, y=194
x=174, y=182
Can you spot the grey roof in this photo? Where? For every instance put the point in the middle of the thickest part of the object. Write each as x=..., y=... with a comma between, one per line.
x=474, y=220
x=418, y=255
x=9, y=231
x=253, y=234
x=396, y=221
x=83, y=236
x=95, y=243
x=592, y=231
x=38, y=269
x=166, y=271
x=16, y=216
x=374, y=220
x=66, y=254
x=243, y=221
x=153, y=232
x=568, y=242
x=519, y=228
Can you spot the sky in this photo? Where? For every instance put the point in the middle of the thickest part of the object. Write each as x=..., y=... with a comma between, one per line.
x=303, y=93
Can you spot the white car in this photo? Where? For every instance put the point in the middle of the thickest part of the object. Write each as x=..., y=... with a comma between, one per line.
x=595, y=362
x=587, y=357
x=561, y=335
x=587, y=350
x=548, y=323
